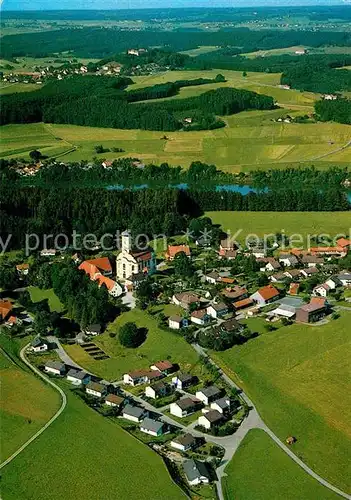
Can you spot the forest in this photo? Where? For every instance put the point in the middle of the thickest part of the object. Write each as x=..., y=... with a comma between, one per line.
x=102, y=102
x=338, y=110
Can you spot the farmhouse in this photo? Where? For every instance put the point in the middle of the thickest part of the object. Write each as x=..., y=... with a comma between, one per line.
x=183, y=380
x=185, y=299
x=96, y=389
x=130, y=261
x=113, y=400
x=265, y=295
x=133, y=413
x=196, y=472
x=78, y=377
x=199, y=317
x=184, y=407
x=55, y=368
x=208, y=394
x=227, y=248
x=312, y=312
x=152, y=427
x=164, y=367
x=157, y=390
x=183, y=443
x=329, y=251
x=210, y=419
x=217, y=310
x=173, y=250
x=5, y=308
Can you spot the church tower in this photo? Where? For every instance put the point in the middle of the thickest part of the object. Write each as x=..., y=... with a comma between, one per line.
x=126, y=241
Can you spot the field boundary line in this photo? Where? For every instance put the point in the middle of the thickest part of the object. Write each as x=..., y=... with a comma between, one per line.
x=52, y=419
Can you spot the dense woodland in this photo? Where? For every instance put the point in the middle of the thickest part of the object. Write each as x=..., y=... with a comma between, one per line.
x=337, y=111
x=103, y=102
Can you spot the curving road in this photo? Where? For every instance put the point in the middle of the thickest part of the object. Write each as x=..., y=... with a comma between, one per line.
x=52, y=419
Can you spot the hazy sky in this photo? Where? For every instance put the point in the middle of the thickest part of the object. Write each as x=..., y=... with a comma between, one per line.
x=139, y=4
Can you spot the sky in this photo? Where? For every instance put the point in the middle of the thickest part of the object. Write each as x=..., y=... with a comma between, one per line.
x=140, y=4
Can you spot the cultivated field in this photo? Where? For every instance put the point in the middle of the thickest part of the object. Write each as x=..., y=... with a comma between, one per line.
x=304, y=223
x=84, y=455
x=26, y=405
x=158, y=345
x=261, y=470
x=297, y=377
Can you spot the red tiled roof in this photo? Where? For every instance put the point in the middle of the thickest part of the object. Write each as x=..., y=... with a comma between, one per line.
x=102, y=263
x=163, y=365
x=317, y=250
x=200, y=313
x=243, y=303
x=5, y=308
x=142, y=256
x=21, y=267
x=172, y=250
x=108, y=282
x=268, y=292
x=226, y=280
x=344, y=243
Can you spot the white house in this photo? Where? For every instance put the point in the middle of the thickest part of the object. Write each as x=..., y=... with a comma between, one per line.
x=288, y=259
x=135, y=378
x=113, y=400
x=175, y=322
x=217, y=310
x=93, y=330
x=157, y=390
x=265, y=295
x=272, y=265
x=152, y=427
x=310, y=271
x=55, y=368
x=133, y=261
x=333, y=282
x=212, y=277
x=133, y=413
x=95, y=389
x=183, y=443
x=78, y=377
x=210, y=419
x=39, y=345
x=208, y=394
x=196, y=472
x=221, y=405
x=345, y=278
x=321, y=290
x=182, y=380
x=163, y=366
x=184, y=407
x=199, y=317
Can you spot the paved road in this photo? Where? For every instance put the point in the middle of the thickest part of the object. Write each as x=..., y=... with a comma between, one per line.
x=52, y=419
x=65, y=358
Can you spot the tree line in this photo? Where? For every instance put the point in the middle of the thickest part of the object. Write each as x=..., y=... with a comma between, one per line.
x=338, y=110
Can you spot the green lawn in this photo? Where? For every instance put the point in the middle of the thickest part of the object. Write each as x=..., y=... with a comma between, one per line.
x=85, y=455
x=297, y=377
x=261, y=470
x=158, y=345
x=250, y=140
x=300, y=223
x=26, y=404
x=36, y=295
x=11, y=88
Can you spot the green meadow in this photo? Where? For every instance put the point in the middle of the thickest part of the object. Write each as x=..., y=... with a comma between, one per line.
x=250, y=140
x=261, y=470
x=298, y=378
x=290, y=223
x=85, y=455
x=37, y=294
x=158, y=345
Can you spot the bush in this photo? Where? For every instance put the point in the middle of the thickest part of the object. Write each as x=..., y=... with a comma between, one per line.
x=131, y=336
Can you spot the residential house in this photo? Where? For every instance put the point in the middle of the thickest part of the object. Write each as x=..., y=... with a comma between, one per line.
x=312, y=312
x=96, y=267
x=164, y=367
x=96, y=389
x=333, y=282
x=113, y=400
x=152, y=427
x=135, y=378
x=12, y=321
x=199, y=317
x=222, y=405
x=184, y=407
x=235, y=293
x=210, y=419
x=39, y=345
x=185, y=299
x=93, y=330
x=227, y=249
x=344, y=243
x=113, y=288
x=173, y=250
x=196, y=472
x=312, y=261
x=157, y=390
x=321, y=290
x=294, y=288
x=177, y=322
x=134, y=280
x=242, y=304
x=278, y=277
x=217, y=310
x=212, y=277
x=345, y=278
x=132, y=261
x=208, y=394
x=22, y=269
x=272, y=265
x=258, y=252
x=5, y=309
x=310, y=271
x=183, y=443
x=55, y=368
x=265, y=295
x=226, y=280
x=288, y=259
x=78, y=377
x=153, y=375
x=230, y=325
x=292, y=274
x=337, y=252
x=134, y=413
x=183, y=380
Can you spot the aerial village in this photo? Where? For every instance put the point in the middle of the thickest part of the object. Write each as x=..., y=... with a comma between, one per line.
x=189, y=417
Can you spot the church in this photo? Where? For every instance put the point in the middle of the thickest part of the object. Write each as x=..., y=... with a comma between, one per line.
x=131, y=262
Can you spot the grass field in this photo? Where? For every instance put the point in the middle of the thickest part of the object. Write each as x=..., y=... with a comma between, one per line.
x=290, y=223
x=36, y=295
x=158, y=345
x=261, y=470
x=84, y=455
x=26, y=405
x=11, y=88
x=297, y=377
